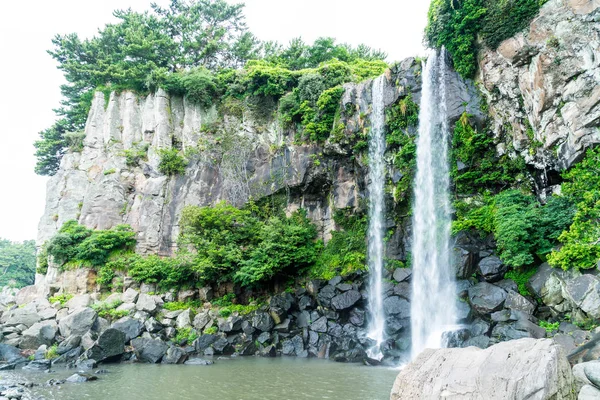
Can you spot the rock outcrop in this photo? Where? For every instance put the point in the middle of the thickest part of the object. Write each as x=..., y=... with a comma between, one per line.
x=521, y=369
x=543, y=86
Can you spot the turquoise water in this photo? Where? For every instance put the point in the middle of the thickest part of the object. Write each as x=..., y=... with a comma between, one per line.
x=245, y=378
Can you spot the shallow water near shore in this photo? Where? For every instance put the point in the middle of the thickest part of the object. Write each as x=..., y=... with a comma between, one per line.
x=244, y=378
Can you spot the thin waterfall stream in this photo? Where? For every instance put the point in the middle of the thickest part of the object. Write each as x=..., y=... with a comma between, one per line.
x=433, y=305
x=376, y=219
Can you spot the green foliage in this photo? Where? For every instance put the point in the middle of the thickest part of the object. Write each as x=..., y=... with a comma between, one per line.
x=346, y=250
x=523, y=229
x=482, y=169
x=211, y=330
x=171, y=162
x=456, y=24
x=234, y=244
x=319, y=124
x=52, y=352
x=550, y=327
x=42, y=260
x=136, y=154
x=77, y=244
x=166, y=272
x=185, y=335
x=74, y=140
x=521, y=277
x=109, y=310
x=110, y=171
x=403, y=115
x=580, y=244
x=17, y=263
x=60, y=298
x=180, y=305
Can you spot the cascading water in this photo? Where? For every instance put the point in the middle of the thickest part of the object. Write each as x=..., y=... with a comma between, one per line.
x=433, y=306
x=376, y=218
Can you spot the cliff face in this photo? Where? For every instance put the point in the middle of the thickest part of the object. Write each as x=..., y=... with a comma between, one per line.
x=233, y=156
x=543, y=86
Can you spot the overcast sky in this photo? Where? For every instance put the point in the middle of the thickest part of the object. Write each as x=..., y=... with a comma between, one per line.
x=30, y=81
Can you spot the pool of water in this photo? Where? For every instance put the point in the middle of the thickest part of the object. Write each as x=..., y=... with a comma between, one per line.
x=244, y=378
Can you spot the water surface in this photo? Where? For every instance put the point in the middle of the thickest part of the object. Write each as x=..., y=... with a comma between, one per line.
x=245, y=378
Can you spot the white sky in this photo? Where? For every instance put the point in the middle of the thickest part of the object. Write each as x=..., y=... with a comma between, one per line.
x=29, y=80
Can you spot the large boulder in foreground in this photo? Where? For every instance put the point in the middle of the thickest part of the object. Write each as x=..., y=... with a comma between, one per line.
x=535, y=369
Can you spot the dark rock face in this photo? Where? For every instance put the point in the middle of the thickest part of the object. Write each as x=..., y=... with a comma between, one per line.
x=345, y=300
x=149, y=350
x=131, y=327
x=175, y=355
x=10, y=354
x=395, y=305
x=263, y=322
x=492, y=269
x=111, y=343
x=486, y=298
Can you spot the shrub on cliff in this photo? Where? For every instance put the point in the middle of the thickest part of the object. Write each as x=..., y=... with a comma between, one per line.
x=171, y=162
x=457, y=24
x=78, y=245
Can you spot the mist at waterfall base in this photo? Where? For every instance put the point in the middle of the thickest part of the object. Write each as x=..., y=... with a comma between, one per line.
x=433, y=304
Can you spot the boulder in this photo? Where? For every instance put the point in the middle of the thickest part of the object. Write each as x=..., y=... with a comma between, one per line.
x=515, y=301
x=486, y=298
x=40, y=333
x=130, y=296
x=395, y=305
x=10, y=354
x=262, y=321
x=589, y=393
x=325, y=295
x=402, y=274
x=198, y=361
x=80, y=378
x=592, y=373
x=492, y=268
x=175, y=355
x=79, y=301
x=131, y=327
x=184, y=320
x=149, y=350
x=21, y=316
x=77, y=323
x=201, y=320
x=320, y=325
x=110, y=344
x=152, y=325
x=38, y=365
x=205, y=294
x=187, y=295
x=68, y=344
x=584, y=291
x=521, y=369
x=345, y=300
x=145, y=303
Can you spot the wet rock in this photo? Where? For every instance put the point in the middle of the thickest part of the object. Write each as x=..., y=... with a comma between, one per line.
x=175, y=355
x=480, y=341
x=77, y=323
x=149, y=350
x=516, y=301
x=10, y=354
x=131, y=327
x=204, y=341
x=345, y=300
x=110, y=344
x=38, y=365
x=320, y=325
x=325, y=295
x=86, y=365
x=79, y=378
x=486, y=298
x=357, y=317
x=198, y=361
x=395, y=305
x=262, y=321
x=402, y=274
x=492, y=268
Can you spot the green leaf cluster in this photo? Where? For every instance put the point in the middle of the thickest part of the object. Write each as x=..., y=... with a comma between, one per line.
x=17, y=263
x=346, y=251
x=77, y=245
x=581, y=241
x=524, y=229
x=171, y=162
x=233, y=245
x=481, y=170
x=457, y=25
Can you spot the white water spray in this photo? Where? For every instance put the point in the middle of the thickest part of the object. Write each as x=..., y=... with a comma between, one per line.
x=376, y=218
x=433, y=305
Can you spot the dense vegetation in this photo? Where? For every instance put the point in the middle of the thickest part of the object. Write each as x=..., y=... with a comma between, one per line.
x=458, y=24
x=250, y=247
x=198, y=49
x=17, y=263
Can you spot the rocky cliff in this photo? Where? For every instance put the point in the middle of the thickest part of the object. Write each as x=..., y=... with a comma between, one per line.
x=543, y=87
x=233, y=156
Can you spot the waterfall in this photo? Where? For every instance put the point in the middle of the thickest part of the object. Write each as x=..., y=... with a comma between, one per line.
x=376, y=218
x=433, y=305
